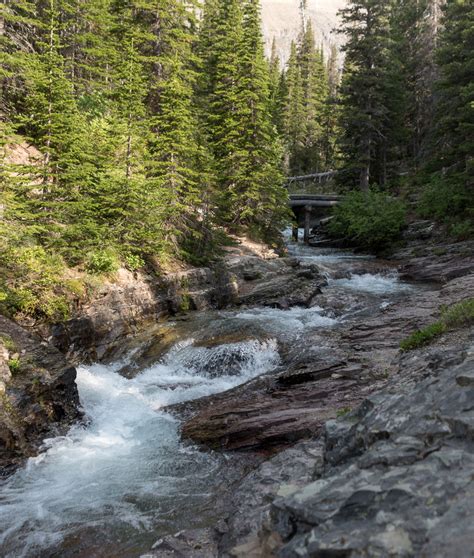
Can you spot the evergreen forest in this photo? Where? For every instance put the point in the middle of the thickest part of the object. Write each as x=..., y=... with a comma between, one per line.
x=140, y=133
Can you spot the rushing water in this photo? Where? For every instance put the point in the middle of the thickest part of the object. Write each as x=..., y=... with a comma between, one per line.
x=117, y=482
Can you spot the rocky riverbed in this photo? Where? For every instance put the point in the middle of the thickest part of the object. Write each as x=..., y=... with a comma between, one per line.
x=390, y=474
x=280, y=419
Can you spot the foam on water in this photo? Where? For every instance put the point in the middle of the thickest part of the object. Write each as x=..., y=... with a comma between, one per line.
x=126, y=467
x=125, y=472
x=295, y=319
x=373, y=283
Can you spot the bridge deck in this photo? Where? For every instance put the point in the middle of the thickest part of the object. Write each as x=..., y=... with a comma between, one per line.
x=314, y=200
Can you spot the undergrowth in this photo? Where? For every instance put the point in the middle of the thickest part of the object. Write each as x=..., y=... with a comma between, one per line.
x=14, y=365
x=453, y=317
x=370, y=220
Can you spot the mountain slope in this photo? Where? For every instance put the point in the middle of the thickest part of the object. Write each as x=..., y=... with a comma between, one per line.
x=281, y=19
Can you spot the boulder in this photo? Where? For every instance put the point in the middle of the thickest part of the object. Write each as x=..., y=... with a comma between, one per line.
x=279, y=283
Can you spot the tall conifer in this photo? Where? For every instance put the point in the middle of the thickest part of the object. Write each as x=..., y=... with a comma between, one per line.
x=371, y=92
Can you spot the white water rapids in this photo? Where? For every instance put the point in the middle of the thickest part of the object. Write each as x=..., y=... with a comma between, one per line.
x=124, y=477
x=127, y=466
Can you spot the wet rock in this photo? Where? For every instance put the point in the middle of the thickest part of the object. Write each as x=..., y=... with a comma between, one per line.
x=135, y=302
x=38, y=394
x=306, y=371
x=419, y=230
x=318, y=242
x=465, y=377
x=147, y=348
x=272, y=412
x=196, y=543
x=251, y=505
x=251, y=275
x=391, y=474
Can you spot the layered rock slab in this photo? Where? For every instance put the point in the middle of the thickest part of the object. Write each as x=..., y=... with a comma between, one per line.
x=398, y=473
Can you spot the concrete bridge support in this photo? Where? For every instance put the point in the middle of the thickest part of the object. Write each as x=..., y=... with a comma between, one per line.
x=307, y=223
x=309, y=207
x=309, y=210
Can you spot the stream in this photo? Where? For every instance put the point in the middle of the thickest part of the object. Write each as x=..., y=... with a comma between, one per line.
x=123, y=478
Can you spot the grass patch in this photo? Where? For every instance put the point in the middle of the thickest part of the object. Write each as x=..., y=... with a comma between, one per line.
x=8, y=343
x=423, y=337
x=459, y=315
x=453, y=317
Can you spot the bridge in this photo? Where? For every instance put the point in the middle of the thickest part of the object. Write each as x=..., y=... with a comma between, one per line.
x=310, y=199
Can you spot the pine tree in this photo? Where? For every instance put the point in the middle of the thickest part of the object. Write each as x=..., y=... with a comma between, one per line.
x=307, y=108
x=453, y=158
x=333, y=71
x=137, y=125
x=241, y=133
x=294, y=117
x=274, y=83
x=122, y=188
x=16, y=25
x=206, y=51
x=456, y=88
x=316, y=93
x=261, y=193
x=371, y=93
x=225, y=107
x=176, y=148
x=53, y=120
x=331, y=117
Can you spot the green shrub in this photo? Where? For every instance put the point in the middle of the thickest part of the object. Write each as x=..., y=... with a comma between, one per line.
x=185, y=304
x=458, y=315
x=102, y=262
x=450, y=200
x=462, y=230
x=14, y=365
x=133, y=262
x=32, y=282
x=371, y=220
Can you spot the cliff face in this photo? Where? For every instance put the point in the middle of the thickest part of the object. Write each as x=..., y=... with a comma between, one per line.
x=281, y=19
x=38, y=394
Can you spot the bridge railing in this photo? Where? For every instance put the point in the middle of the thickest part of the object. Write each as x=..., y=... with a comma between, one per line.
x=316, y=183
